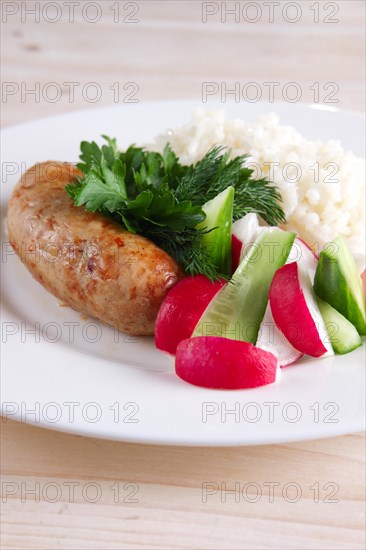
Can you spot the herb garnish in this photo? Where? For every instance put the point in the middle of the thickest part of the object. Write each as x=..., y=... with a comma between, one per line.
x=155, y=195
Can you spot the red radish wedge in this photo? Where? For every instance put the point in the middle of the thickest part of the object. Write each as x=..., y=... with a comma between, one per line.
x=295, y=311
x=244, y=233
x=220, y=363
x=182, y=309
x=271, y=339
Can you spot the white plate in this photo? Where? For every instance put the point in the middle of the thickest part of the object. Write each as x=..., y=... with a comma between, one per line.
x=127, y=390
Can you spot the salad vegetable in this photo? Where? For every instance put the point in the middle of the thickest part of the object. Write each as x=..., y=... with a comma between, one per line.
x=338, y=282
x=219, y=217
x=342, y=334
x=213, y=362
x=182, y=309
x=237, y=311
x=270, y=300
x=270, y=338
x=295, y=311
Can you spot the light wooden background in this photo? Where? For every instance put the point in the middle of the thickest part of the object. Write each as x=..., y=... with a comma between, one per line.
x=169, y=53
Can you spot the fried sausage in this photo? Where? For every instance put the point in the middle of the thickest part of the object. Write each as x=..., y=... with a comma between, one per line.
x=86, y=260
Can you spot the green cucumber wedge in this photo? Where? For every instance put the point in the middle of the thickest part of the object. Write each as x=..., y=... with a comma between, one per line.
x=236, y=312
x=342, y=334
x=338, y=282
x=219, y=218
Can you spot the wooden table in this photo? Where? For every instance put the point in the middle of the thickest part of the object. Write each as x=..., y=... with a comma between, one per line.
x=90, y=493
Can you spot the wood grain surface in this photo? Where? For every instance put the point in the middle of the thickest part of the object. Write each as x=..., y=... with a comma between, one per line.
x=67, y=492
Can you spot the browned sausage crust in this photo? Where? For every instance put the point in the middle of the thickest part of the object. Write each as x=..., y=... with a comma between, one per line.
x=89, y=262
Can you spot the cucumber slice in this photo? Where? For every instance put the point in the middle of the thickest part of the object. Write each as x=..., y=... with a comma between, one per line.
x=236, y=312
x=219, y=215
x=338, y=282
x=342, y=334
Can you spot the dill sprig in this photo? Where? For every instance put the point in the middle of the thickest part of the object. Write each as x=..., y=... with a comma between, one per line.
x=215, y=172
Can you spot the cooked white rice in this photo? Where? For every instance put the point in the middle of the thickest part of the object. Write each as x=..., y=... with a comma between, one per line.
x=317, y=210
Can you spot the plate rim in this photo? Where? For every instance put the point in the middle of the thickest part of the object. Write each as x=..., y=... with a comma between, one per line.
x=152, y=102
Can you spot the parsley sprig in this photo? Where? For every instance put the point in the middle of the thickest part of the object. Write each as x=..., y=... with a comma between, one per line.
x=155, y=195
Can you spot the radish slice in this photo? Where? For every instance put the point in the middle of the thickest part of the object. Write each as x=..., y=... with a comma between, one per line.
x=308, y=250
x=214, y=362
x=306, y=257
x=244, y=233
x=271, y=339
x=301, y=252
x=296, y=313
x=182, y=309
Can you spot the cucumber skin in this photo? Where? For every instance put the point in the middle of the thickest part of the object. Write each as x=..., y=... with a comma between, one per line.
x=331, y=286
x=218, y=241
x=347, y=337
